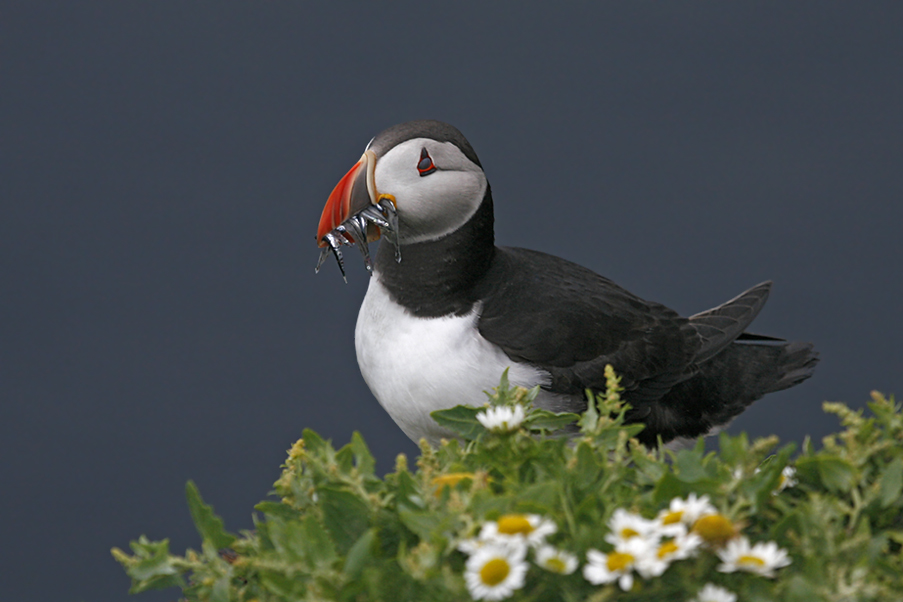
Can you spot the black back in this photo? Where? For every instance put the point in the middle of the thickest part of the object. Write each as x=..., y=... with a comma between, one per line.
x=570, y=321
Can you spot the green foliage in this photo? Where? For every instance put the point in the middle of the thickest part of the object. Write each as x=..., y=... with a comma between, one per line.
x=339, y=532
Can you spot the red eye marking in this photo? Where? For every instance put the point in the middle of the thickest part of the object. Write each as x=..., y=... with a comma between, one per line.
x=425, y=165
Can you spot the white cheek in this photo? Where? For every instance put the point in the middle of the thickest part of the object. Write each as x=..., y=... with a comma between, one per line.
x=439, y=204
x=432, y=206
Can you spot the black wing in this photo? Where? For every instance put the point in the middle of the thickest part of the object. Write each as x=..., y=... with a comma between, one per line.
x=720, y=326
x=571, y=322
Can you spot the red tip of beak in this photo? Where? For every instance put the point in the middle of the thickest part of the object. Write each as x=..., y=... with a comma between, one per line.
x=338, y=205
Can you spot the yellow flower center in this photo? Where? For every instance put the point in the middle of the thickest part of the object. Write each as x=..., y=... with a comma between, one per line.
x=666, y=549
x=627, y=533
x=750, y=561
x=515, y=524
x=450, y=480
x=672, y=517
x=716, y=529
x=618, y=561
x=495, y=571
x=556, y=565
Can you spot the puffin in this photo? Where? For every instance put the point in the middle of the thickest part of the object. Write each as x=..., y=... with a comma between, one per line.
x=447, y=311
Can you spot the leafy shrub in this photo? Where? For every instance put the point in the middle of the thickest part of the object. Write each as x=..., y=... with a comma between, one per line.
x=510, y=509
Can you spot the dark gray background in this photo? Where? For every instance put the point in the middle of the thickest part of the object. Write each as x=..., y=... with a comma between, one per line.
x=164, y=165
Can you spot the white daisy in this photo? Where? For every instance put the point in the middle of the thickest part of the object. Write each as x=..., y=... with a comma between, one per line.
x=626, y=525
x=665, y=552
x=649, y=565
x=529, y=528
x=555, y=560
x=475, y=544
x=495, y=570
x=761, y=559
x=618, y=565
x=686, y=511
x=502, y=419
x=471, y=546
x=713, y=593
x=788, y=479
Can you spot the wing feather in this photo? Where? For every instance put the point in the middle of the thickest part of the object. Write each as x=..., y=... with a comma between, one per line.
x=571, y=322
x=720, y=326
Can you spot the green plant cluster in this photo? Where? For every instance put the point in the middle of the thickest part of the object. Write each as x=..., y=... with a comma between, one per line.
x=340, y=532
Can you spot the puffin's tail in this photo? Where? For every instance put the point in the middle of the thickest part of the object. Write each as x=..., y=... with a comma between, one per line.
x=732, y=380
x=745, y=371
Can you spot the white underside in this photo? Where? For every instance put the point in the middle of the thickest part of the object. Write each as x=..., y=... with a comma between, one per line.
x=415, y=366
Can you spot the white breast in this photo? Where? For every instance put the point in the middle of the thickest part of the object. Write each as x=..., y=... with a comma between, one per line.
x=415, y=365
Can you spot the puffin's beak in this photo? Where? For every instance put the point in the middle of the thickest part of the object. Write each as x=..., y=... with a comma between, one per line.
x=354, y=193
x=355, y=214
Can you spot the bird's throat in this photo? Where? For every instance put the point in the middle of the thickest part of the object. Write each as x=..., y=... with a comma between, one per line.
x=438, y=277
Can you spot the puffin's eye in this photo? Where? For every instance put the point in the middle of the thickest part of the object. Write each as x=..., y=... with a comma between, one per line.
x=425, y=165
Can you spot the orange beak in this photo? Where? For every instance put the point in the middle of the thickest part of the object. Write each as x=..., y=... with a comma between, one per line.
x=355, y=192
x=355, y=215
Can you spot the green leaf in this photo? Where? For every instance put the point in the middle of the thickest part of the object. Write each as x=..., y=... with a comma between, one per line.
x=302, y=541
x=733, y=449
x=314, y=443
x=277, y=509
x=408, y=495
x=345, y=515
x=344, y=458
x=208, y=524
x=317, y=545
x=542, y=496
x=363, y=459
x=670, y=486
x=504, y=386
x=543, y=420
x=423, y=524
x=460, y=419
x=801, y=590
x=287, y=537
x=891, y=483
x=834, y=473
x=647, y=467
x=689, y=465
x=634, y=429
x=220, y=591
x=359, y=554
x=157, y=582
x=155, y=568
x=288, y=587
x=587, y=469
x=155, y=559
x=487, y=504
x=589, y=420
x=790, y=522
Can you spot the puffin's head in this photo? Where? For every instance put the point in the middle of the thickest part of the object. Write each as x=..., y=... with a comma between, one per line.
x=417, y=181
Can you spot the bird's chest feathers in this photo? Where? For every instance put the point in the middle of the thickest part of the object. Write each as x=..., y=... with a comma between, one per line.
x=417, y=365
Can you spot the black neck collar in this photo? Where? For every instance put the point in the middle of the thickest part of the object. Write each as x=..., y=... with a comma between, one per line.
x=438, y=277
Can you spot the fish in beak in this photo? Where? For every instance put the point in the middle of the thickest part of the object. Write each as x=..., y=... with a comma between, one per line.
x=356, y=214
